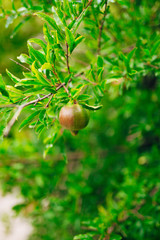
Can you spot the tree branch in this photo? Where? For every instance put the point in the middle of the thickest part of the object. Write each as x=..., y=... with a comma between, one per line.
x=67, y=58
x=17, y=113
x=47, y=105
x=20, y=108
x=20, y=64
x=101, y=27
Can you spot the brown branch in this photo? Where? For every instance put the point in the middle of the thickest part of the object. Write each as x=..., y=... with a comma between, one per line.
x=151, y=65
x=8, y=106
x=67, y=58
x=47, y=105
x=88, y=4
x=20, y=108
x=14, y=104
x=20, y=64
x=65, y=88
x=79, y=74
x=54, y=72
x=17, y=113
x=101, y=27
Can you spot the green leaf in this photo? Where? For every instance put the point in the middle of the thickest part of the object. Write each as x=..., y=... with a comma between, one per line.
x=51, y=22
x=14, y=90
x=79, y=20
x=125, y=60
x=13, y=6
x=42, y=115
x=47, y=66
x=39, y=42
x=155, y=47
x=2, y=88
x=98, y=91
x=133, y=72
x=24, y=3
x=87, y=236
x=84, y=3
x=28, y=82
x=28, y=120
x=66, y=8
x=100, y=74
x=131, y=53
x=30, y=3
x=111, y=80
x=24, y=58
x=100, y=62
x=60, y=14
x=115, y=237
x=4, y=92
x=14, y=78
x=147, y=52
x=94, y=108
x=50, y=57
x=2, y=84
x=39, y=75
x=3, y=119
x=47, y=35
x=70, y=39
x=14, y=93
x=10, y=19
x=76, y=91
x=35, y=54
x=16, y=29
x=79, y=40
x=84, y=97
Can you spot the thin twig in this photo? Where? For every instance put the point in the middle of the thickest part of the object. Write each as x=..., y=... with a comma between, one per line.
x=151, y=65
x=8, y=106
x=67, y=58
x=101, y=27
x=14, y=104
x=60, y=86
x=20, y=65
x=47, y=105
x=88, y=4
x=65, y=87
x=78, y=74
x=55, y=73
x=17, y=113
x=20, y=108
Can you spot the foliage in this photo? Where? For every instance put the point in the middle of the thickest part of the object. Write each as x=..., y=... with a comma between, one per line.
x=103, y=183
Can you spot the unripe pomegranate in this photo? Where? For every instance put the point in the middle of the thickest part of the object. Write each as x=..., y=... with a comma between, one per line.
x=74, y=117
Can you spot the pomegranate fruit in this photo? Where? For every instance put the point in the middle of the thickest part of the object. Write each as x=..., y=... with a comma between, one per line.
x=74, y=117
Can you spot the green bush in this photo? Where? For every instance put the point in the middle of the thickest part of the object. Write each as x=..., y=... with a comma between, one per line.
x=104, y=55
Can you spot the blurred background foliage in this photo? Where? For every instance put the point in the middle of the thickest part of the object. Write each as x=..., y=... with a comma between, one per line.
x=103, y=183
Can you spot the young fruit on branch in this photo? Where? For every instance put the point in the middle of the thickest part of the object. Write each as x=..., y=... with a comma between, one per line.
x=74, y=117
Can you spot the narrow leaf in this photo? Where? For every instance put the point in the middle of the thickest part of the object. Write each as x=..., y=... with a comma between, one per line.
x=14, y=78
x=50, y=21
x=39, y=42
x=94, y=108
x=24, y=58
x=70, y=39
x=155, y=47
x=28, y=120
x=39, y=75
x=100, y=62
x=36, y=55
x=16, y=29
